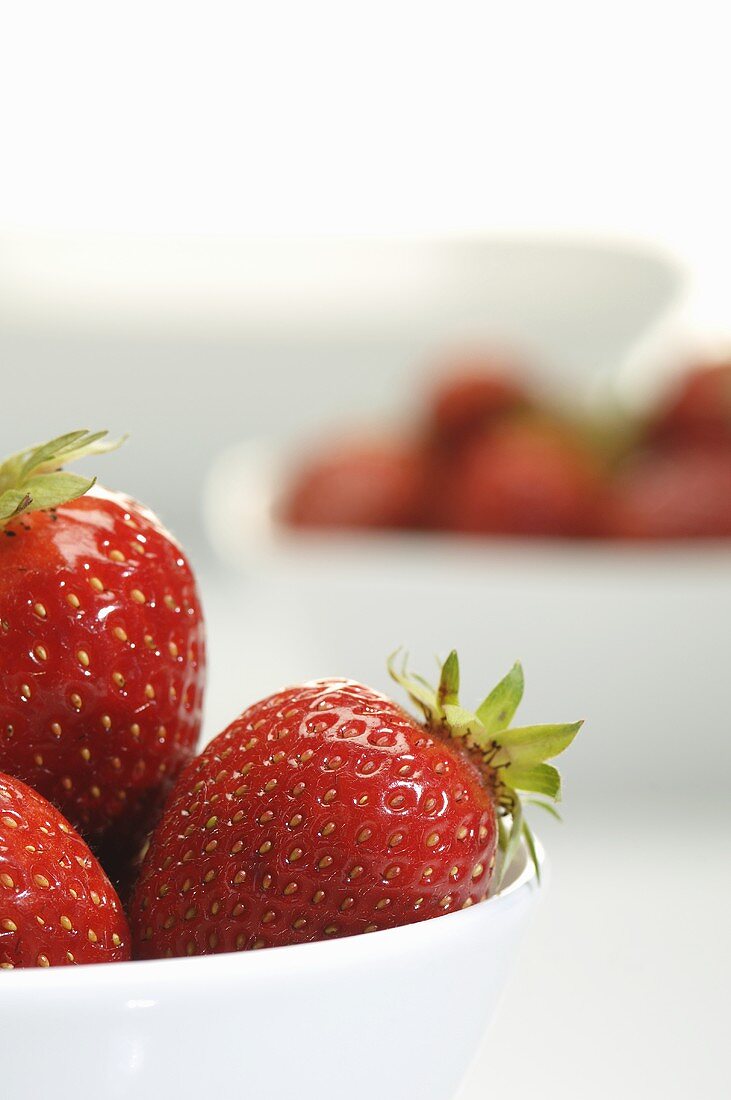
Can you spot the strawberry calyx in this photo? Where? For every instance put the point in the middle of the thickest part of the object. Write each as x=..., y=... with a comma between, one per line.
x=513, y=758
x=34, y=479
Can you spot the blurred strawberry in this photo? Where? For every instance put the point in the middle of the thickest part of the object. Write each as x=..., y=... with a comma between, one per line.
x=698, y=410
x=101, y=644
x=473, y=392
x=673, y=494
x=367, y=484
x=57, y=907
x=326, y=810
x=525, y=477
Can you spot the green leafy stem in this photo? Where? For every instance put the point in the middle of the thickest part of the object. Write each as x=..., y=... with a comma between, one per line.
x=515, y=756
x=33, y=479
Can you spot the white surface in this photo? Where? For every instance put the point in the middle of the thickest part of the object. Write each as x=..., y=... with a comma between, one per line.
x=623, y=985
x=361, y=1017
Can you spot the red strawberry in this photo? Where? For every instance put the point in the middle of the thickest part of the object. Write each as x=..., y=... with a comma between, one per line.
x=327, y=810
x=525, y=477
x=372, y=484
x=57, y=906
x=475, y=391
x=698, y=410
x=679, y=493
x=101, y=644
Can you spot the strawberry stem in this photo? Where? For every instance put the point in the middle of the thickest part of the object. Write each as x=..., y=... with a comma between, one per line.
x=33, y=479
x=514, y=756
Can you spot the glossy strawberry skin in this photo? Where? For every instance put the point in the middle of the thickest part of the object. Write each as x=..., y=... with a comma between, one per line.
x=57, y=907
x=322, y=811
x=376, y=484
x=101, y=645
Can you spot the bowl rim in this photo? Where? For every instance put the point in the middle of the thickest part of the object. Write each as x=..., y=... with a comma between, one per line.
x=321, y=958
x=69, y=280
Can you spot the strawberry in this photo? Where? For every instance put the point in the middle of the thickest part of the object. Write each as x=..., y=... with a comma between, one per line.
x=57, y=907
x=101, y=644
x=525, y=477
x=376, y=483
x=698, y=409
x=327, y=810
x=673, y=494
x=475, y=391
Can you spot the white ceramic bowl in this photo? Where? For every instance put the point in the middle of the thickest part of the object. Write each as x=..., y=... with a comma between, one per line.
x=391, y=1015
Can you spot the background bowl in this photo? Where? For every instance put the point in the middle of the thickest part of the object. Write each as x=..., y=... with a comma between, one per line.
x=193, y=344
x=394, y=1014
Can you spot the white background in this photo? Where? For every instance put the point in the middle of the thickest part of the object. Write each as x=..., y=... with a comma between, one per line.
x=399, y=118
x=343, y=117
